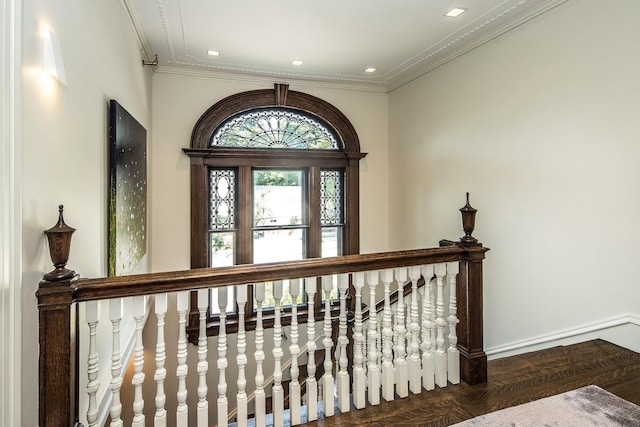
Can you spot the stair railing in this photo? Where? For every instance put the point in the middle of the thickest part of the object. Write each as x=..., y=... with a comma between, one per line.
x=437, y=338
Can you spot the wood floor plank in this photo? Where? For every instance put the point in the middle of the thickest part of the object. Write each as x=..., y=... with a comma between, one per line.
x=512, y=381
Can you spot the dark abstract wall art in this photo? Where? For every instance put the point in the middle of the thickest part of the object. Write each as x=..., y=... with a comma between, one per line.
x=127, y=191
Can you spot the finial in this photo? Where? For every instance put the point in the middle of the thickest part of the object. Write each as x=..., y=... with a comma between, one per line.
x=468, y=222
x=59, y=237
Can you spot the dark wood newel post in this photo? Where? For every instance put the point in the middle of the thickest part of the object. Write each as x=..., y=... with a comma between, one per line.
x=473, y=360
x=57, y=370
x=58, y=394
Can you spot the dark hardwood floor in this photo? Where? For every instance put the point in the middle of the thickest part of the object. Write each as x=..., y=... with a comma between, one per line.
x=512, y=381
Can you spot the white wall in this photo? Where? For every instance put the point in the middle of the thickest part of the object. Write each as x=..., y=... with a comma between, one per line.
x=65, y=143
x=541, y=126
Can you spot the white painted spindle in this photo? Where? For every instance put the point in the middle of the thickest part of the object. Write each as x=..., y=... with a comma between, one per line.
x=294, y=386
x=260, y=399
x=373, y=372
x=327, y=378
x=453, y=354
x=223, y=403
x=312, y=385
x=138, y=362
x=400, y=361
x=433, y=292
x=441, y=323
x=92, y=315
x=387, y=338
x=277, y=397
x=241, y=358
x=358, y=336
x=428, y=365
x=115, y=315
x=203, y=366
x=343, y=375
x=414, y=357
x=160, y=418
x=182, y=411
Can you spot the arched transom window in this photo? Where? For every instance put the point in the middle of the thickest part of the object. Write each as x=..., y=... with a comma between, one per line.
x=274, y=128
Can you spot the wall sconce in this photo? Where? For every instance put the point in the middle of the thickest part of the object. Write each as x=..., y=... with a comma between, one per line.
x=52, y=61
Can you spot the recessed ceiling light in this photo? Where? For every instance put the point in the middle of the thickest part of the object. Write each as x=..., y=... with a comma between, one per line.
x=455, y=12
x=370, y=70
x=296, y=63
x=213, y=52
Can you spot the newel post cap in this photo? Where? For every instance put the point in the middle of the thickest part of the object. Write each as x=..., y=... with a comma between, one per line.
x=59, y=238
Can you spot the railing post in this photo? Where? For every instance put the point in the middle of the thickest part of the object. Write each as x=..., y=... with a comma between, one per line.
x=57, y=364
x=473, y=360
x=57, y=316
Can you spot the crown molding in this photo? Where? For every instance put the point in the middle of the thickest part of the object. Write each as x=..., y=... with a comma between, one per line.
x=460, y=43
x=300, y=81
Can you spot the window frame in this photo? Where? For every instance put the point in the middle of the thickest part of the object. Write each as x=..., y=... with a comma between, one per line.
x=203, y=158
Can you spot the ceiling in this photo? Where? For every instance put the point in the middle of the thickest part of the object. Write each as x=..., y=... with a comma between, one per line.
x=336, y=39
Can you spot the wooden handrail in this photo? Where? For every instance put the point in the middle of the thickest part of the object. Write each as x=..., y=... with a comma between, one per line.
x=174, y=281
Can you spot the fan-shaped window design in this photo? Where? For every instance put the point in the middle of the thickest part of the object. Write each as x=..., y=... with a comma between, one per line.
x=274, y=128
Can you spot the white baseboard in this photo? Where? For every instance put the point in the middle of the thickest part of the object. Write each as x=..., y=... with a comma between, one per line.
x=623, y=331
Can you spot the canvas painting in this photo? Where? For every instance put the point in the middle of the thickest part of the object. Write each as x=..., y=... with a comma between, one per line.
x=127, y=191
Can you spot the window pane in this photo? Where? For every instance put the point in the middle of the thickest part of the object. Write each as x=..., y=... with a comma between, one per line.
x=277, y=198
x=214, y=308
x=331, y=205
x=274, y=128
x=221, y=249
x=331, y=241
x=278, y=245
x=269, y=301
x=222, y=198
x=334, y=291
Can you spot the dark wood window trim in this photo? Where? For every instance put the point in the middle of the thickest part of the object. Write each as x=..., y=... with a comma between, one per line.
x=203, y=158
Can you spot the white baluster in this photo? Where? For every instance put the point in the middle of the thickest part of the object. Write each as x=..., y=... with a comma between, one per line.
x=294, y=348
x=138, y=362
x=343, y=340
x=182, y=411
x=260, y=399
x=327, y=378
x=312, y=385
x=400, y=361
x=428, y=365
x=115, y=315
x=387, y=338
x=453, y=354
x=92, y=309
x=372, y=355
x=414, y=357
x=160, y=418
x=203, y=366
x=278, y=391
x=432, y=292
x=358, y=337
x=241, y=357
x=223, y=403
x=441, y=323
